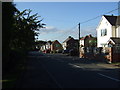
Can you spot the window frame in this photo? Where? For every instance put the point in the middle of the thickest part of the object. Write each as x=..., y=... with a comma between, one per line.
x=103, y=32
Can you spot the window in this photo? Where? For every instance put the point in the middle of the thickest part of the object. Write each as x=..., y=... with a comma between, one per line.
x=57, y=45
x=103, y=32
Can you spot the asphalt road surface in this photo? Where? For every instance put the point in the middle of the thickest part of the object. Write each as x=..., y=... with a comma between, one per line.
x=61, y=71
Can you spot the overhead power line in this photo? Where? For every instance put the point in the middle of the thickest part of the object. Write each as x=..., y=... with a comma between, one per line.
x=72, y=29
x=98, y=16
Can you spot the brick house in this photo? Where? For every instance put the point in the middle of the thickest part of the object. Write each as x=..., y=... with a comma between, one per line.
x=70, y=43
x=56, y=46
x=88, y=41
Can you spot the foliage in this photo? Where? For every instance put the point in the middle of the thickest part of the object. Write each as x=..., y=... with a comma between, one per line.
x=8, y=11
x=18, y=34
x=24, y=30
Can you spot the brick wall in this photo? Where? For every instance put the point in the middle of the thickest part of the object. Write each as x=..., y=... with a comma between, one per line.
x=110, y=54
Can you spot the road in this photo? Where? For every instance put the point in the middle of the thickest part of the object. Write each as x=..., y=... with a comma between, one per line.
x=61, y=71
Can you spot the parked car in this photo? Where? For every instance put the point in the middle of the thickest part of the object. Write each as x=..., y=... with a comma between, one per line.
x=59, y=51
x=65, y=51
x=73, y=52
x=46, y=51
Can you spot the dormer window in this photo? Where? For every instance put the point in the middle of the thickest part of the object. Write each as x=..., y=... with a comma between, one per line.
x=103, y=32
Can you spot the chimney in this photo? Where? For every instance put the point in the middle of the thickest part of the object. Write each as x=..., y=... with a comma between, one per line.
x=70, y=37
x=89, y=35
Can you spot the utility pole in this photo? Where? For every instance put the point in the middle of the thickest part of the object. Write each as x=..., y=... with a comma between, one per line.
x=79, y=40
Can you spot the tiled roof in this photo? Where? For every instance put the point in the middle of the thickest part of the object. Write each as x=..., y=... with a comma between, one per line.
x=112, y=19
x=54, y=41
x=88, y=36
x=69, y=38
x=83, y=38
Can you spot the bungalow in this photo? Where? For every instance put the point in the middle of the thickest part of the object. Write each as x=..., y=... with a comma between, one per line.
x=108, y=30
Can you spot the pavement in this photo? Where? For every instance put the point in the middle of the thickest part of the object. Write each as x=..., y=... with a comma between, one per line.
x=113, y=66
x=99, y=63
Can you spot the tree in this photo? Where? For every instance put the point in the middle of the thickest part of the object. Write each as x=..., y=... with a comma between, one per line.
x=18, y=34
x=8, y=11
x=24, y=30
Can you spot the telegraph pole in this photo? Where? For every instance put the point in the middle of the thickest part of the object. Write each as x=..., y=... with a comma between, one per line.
x=79, y=40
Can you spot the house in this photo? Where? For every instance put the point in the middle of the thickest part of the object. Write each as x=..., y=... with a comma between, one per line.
x=43, y=48
x=51, y=46
x=56, y=46
x=40, y=44
x=118, y=25
x=108, y=28
x=70, y=43
x=88, y=41
x=48, y=45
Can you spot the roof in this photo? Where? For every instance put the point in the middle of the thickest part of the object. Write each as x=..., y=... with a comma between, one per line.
x=69, y=38
x=55, y=41
x=112, y=19
x=115, y=40
x=49, y=42
x=118, y=21
x=88, y=36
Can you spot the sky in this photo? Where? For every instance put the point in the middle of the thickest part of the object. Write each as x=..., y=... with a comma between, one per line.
x=62, y=18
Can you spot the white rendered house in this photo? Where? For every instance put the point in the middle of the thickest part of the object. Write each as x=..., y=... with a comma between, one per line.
x=107, y=29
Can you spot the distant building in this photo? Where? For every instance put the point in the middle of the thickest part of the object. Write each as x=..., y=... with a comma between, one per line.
x=48, y=45
x=70, y=43
x=56, y=46
x=51, y=46
x=88, y=41
x=109, y=27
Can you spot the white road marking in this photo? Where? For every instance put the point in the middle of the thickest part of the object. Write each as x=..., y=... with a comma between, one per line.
x=98, y=73
x=109, y=77
x=74, y=65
